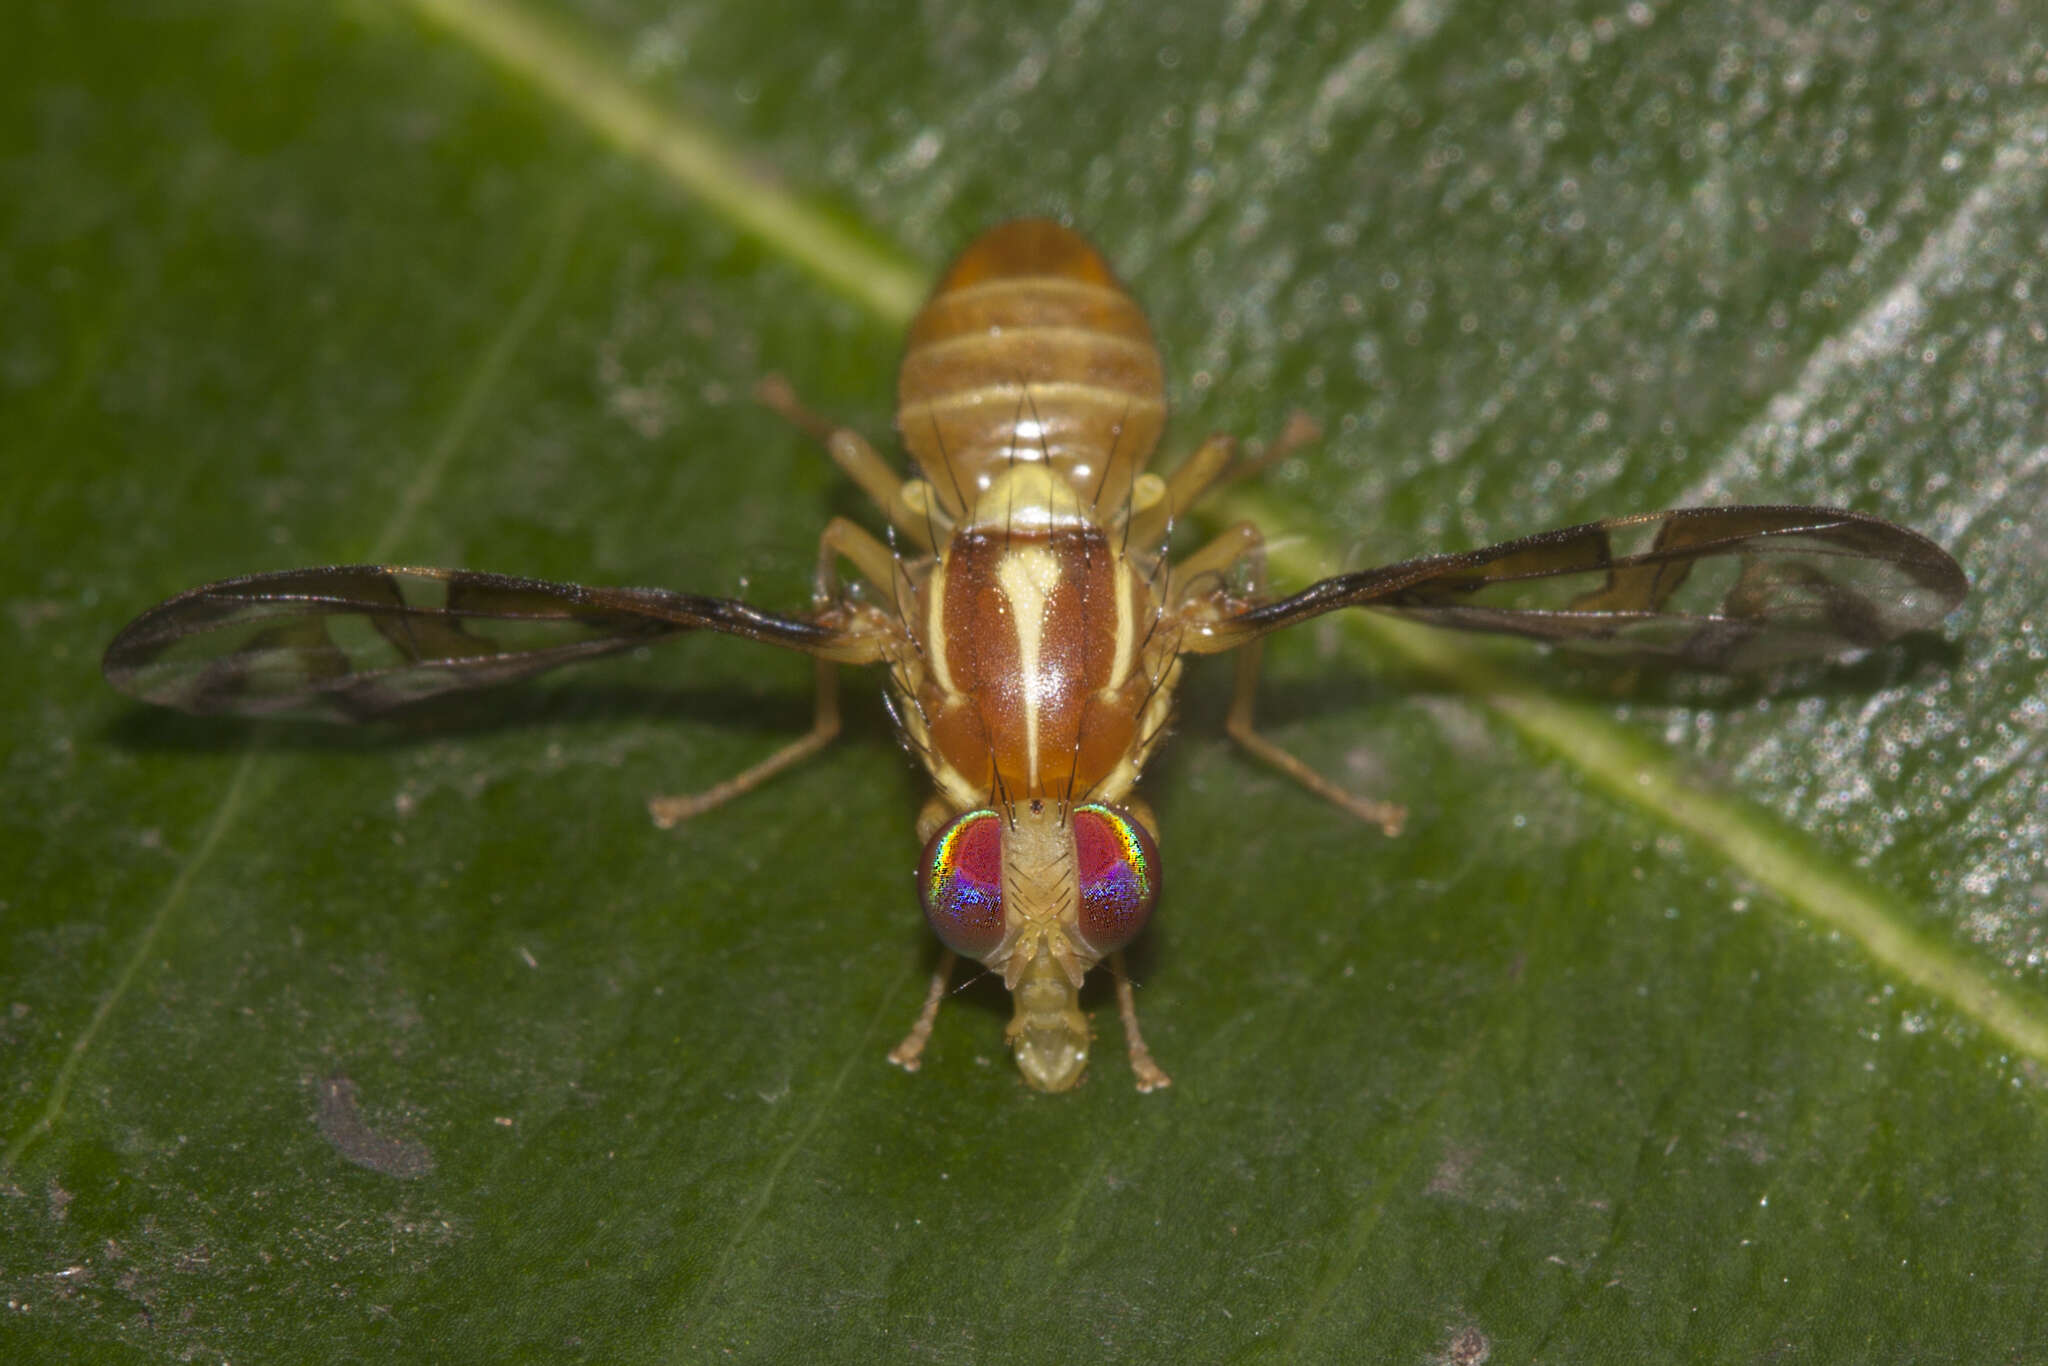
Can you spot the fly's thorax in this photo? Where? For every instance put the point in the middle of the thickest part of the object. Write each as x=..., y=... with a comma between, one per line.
x=1030, y=351
x=1044, y=668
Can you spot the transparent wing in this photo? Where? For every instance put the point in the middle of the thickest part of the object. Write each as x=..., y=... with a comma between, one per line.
x=352, y=641
x=1730, y=588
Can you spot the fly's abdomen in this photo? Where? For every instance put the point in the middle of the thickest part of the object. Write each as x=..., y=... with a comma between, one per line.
x=1029, y=350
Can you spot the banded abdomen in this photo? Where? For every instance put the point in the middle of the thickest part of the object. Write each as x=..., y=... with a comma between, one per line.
x=1029, y=350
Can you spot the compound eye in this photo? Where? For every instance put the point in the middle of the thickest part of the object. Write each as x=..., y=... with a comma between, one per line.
x=1119, y=872
x=961, y=884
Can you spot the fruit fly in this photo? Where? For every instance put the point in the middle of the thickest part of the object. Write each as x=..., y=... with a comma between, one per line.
x=1033, y=624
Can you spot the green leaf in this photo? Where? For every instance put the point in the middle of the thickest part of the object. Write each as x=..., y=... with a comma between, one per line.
x=1687, y=1021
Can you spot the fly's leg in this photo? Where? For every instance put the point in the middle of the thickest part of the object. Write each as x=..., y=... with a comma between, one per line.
x=1388, y=816
x=1205, y=573
x=1211, y=465
x=669, y=812
x=909, y=1055
x=1301, y=430
x=878, y=565
x=909, y=505
x=1170, y=499
x=1243, y=545
x=1151, y=1077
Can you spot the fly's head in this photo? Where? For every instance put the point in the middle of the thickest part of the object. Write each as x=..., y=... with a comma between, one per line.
x=1041, y=892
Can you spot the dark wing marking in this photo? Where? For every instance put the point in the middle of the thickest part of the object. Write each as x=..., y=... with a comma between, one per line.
x=352, y=641
x=1710, y=588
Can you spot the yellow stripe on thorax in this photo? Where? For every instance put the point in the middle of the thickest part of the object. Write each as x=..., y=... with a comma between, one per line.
x=1028, y=574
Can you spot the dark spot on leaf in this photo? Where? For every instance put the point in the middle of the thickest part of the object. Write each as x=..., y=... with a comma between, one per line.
x=1467, y=1347
x=1450, y=1173
x=341, y=1124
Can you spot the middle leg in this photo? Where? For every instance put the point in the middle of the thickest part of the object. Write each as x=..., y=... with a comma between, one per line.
x=878, y=565
x=1242, y=545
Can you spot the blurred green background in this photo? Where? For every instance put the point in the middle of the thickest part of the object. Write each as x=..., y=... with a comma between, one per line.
x=1688, y=1021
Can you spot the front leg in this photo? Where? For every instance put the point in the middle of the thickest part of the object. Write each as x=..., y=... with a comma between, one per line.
x=1148, y=1074
x=909, y=1055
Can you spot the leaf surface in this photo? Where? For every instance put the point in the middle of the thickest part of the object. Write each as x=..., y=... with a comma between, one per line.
x=1688, y=1020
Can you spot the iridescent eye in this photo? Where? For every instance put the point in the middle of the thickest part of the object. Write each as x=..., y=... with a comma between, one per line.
x=1119, y=872
x=961, y=884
